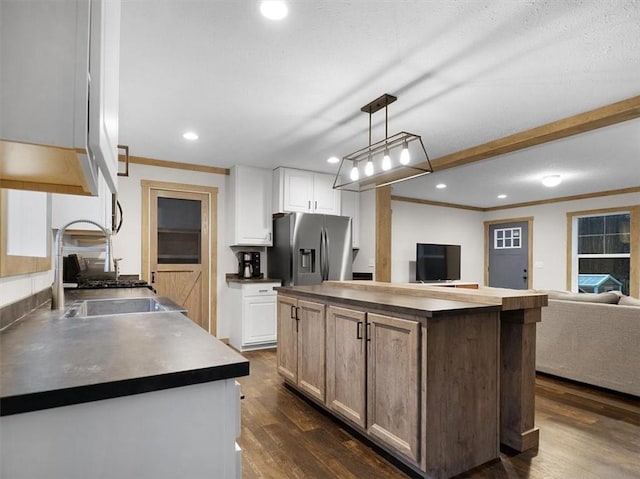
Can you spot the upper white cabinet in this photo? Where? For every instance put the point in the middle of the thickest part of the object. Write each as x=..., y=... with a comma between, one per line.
x=59, y=93
x=305, y=191
x=249, y=213
x=351, y=207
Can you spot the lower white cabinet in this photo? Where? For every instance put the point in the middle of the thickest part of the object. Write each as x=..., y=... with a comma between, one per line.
x=187, y=431
x=253, y=310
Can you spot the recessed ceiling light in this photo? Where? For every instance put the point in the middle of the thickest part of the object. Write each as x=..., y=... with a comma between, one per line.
x=502, y=197
x=274, y=9
x=441, y=186
x=333, y=159
x=190, y=135
x=551, y=180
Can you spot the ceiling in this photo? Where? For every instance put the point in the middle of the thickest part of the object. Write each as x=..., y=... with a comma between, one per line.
x=289, y=93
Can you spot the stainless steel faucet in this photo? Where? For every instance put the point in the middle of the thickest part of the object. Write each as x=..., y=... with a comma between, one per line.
x=57, y=296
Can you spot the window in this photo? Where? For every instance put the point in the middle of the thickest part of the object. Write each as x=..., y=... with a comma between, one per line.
x=507, y=238
x=601, y=252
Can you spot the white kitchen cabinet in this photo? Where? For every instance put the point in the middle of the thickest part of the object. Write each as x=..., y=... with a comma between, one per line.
x=253, y=321
x=249, y=212
x=60, y=94
x=68, y=208
x=350, y=206
x=304, y=191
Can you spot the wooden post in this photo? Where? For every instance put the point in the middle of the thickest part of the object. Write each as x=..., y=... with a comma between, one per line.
x=383, y=234
x=517, y=378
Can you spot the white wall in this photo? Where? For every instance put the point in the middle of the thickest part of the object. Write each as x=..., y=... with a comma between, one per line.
x=364, y=259
x=550, y=233
x=28, y=222
x=417, y=223
x=15, y=288
x=127, y=243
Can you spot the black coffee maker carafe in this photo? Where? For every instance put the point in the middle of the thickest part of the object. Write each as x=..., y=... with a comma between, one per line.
x=249, y=264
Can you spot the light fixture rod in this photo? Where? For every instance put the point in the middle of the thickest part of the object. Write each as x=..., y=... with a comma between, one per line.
x=386, y=121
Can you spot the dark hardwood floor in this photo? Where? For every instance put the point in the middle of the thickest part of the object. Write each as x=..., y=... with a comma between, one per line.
x=584, y=433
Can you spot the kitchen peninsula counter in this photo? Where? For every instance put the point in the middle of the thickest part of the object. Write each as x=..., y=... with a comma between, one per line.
x=438, y=377
x=49, y=361
x=147, y=394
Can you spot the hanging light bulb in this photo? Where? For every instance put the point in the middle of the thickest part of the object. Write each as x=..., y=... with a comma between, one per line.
x=386, y=161
x=368, y=169
x=355, y=174
x=405, y=157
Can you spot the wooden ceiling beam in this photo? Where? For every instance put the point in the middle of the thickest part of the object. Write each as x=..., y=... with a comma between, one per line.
x=618, y=112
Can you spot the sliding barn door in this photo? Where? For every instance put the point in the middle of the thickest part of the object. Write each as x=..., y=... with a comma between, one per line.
x=179, y=250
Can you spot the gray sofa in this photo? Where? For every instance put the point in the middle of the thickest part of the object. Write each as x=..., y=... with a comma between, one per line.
x=592, y=339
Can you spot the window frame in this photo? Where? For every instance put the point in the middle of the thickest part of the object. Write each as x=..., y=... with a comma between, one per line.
x=634, y=251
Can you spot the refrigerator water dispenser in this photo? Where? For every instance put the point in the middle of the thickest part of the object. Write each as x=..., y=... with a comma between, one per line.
x=307, y=263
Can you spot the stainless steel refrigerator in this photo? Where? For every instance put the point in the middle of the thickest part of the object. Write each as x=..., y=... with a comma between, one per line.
x=309, y=248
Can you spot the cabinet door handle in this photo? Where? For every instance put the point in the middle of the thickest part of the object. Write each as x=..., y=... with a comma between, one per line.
x=126, y=159
x=309, y=203
x=315, y=207
x=359, y=330
x=368, y=332
x=153, y=277
x=263, y=291
x=293, y=315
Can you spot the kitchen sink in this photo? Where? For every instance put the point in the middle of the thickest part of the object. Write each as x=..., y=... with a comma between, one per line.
x=106, y=307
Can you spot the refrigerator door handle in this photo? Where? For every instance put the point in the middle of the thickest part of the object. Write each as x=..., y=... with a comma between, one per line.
x=321, y=254
x=324, y=259
x=327, y=247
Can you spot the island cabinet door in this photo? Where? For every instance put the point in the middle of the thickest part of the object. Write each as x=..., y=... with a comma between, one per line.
x=346, y=354
x=288, y=338
x=393, y=386
x=311, y=348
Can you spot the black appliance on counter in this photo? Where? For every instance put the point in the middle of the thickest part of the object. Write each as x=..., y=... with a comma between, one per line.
x=249, y=264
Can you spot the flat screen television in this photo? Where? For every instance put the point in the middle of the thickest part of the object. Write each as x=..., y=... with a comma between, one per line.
x=437, y=262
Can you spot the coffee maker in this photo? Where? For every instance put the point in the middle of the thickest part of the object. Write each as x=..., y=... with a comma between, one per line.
x=249, y=264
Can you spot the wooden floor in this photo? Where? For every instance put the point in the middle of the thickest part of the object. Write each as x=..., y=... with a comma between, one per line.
x=584, y=433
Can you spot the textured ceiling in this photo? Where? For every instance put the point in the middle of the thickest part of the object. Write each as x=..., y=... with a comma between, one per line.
x=466, y=72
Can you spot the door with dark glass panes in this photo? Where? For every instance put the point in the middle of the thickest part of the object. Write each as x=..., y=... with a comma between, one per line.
x=179, y=246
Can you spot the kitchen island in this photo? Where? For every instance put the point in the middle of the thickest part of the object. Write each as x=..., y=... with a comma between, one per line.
x=420, y=376
x=127, y=395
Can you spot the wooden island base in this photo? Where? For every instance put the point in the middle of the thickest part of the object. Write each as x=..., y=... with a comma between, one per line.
x=422, y=377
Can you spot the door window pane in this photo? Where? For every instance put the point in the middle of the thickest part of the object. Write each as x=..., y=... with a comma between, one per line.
x=507, y=238
x=179, y=231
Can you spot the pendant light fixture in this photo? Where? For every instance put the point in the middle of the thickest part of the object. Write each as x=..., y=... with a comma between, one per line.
x=380, y=167
x=405, y=156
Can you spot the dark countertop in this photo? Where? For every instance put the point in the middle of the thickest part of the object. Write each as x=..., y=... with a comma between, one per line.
x=395, y=303
x=234, y=278
x=49, y=361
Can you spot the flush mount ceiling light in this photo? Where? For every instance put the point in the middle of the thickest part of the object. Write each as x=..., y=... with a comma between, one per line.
x=502, y=196
x=376, y=165
x=551, y=180
x=441, y=186
x=333, y=159
x=274, y=9
x=190, y=135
